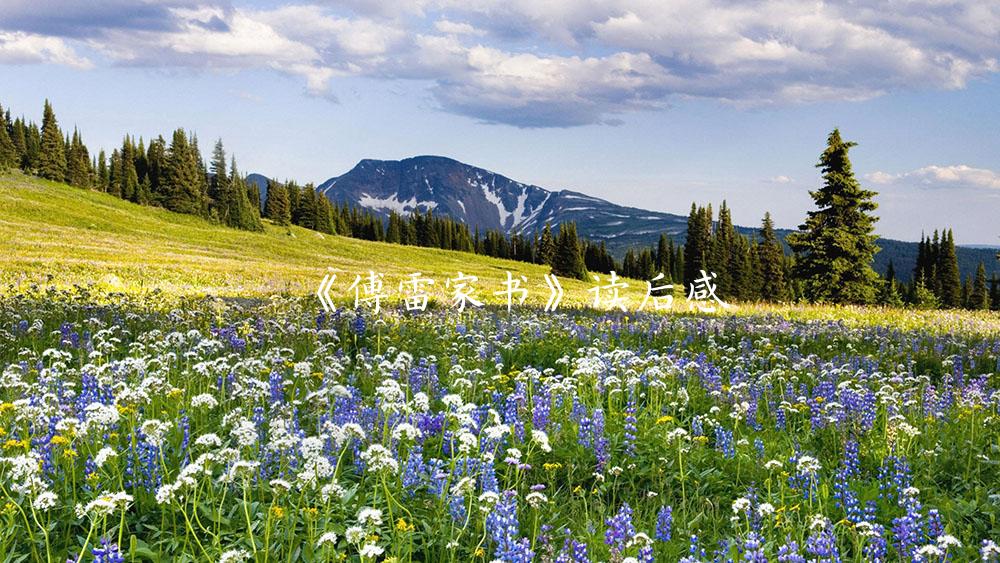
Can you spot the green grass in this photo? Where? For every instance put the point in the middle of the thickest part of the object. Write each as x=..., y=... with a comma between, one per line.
x=54, y=234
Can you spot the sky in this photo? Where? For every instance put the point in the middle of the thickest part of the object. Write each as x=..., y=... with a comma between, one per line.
x=649, y=103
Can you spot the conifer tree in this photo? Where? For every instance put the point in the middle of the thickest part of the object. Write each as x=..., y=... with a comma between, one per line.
x=698, y=243
x=545, y=251
x=103, y=175
x=156, y=164
x=771, y=259
x=8, y=152
x=182, y=184
x=276, y=207
x=220, y=195
x=567, y=259
x=949, y=279
x=52, y=152
x=979, y=298
x=836, y=245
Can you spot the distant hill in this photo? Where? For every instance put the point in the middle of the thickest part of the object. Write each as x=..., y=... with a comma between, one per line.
x=487, y=200
x=52, y=233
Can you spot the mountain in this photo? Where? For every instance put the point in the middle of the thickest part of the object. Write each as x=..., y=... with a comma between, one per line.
x=487, y=200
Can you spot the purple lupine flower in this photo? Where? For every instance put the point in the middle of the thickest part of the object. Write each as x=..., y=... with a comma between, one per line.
x=620, y=530
x=664, y=523
x=789, y=553
x=107, y=553
x=753, y=549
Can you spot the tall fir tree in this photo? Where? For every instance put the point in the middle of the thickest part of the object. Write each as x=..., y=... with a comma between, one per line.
x=8, y=152
x=220, y=195
x=836, y=245
x=949, y=280
x=567, y=260
x=182, y=182
x=546, y=246
x=979, y=297
x=52, y=152
x=276, y=207
x=771, y=258
x=697, y=243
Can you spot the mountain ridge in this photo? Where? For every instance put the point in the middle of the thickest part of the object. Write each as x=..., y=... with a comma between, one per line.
x=488, y=200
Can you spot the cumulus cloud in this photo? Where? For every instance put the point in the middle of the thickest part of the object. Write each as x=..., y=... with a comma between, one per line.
x=954, y=176
x=541, y=64
x=26, y=48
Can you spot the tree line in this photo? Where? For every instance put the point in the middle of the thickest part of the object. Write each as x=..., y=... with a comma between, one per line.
x=830, y=259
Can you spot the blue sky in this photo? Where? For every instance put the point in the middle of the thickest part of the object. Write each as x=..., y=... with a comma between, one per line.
x=643, y=102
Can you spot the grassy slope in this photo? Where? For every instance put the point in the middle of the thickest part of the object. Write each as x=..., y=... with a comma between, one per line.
x=85, y=237
x=58, y=235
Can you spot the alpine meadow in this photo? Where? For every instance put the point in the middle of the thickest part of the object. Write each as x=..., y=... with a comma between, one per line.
x=755, y=317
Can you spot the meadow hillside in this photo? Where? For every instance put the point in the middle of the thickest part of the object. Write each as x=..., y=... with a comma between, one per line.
x=51, y=233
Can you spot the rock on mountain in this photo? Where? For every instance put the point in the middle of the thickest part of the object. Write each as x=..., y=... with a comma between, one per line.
x=487, y=200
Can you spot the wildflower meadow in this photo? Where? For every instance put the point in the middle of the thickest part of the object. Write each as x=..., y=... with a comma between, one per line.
x=268, y=430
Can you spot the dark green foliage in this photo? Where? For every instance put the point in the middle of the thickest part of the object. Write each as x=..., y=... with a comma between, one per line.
x=182, y=182
x=836, y=244
x=568, y=258
x=979, y=297
x=277, y=207
x=8, y=152
x=771, y=263
x=52, y=152
x=949, y=282
x=698, y=243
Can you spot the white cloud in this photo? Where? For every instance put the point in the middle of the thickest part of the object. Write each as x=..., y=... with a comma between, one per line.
x=456, y=28
x=24, y=48
x=553, y=63
x=959, y=176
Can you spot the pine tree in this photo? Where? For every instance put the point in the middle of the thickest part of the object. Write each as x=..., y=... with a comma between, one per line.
x=979, y=298
x=567, y=260
x=220, y=195
x=52, y=153
x=771, y=258
x=247, y=215
x=995, y=292
x=697, y=243
x=156, y=164
x=546, y=250
x=836, y=245
x=276, y=207
x=949, y=279
x=78, y=162
x=722, y=258
x=103, y=175
x=8, y=152
x=889, y=294
x=129, y=176
x=181, y=184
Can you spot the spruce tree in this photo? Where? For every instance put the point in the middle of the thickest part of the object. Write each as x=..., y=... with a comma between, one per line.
x=697, y=243
x=567, y=260
x=52, y=152
x=836, y=245
x=949, y=279
x=276, y=206
x=771, y=259
x=103, y=175
x=979, y=298
x=546, y=246
x=8, y=152
x=220, y=195
x=181, y=183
